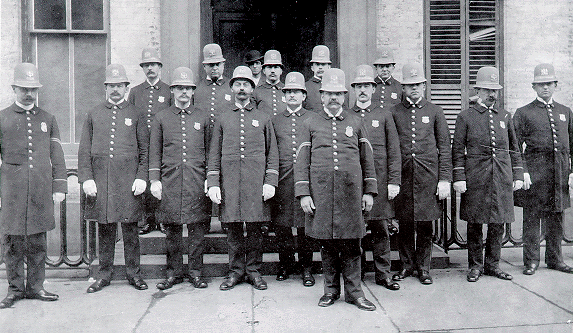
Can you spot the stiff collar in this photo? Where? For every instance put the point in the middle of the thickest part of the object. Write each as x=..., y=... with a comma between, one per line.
x=298, y=111
x=122, y=104
x=25, y=107
x=484, y=107
x=219, y=82
x=316, y=79
x=386, y=82
x=364, y=106
x=326, y=114
x=186, y=106
x=279, y=85
x=420, y=103
x=248, y=107
x=544, y=104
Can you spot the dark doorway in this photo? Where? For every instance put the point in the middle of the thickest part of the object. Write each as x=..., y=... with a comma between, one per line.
x=289, y=26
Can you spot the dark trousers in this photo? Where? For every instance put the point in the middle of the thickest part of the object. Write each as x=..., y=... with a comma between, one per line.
x=531, y=236
x=341, y=256
x=492, y=246
x=286, y=245
x=150, y=205
x=107, y=236
x=415, y=244
x=380, y=248
x=174, y=244
x=245, y=253
x=31, y=248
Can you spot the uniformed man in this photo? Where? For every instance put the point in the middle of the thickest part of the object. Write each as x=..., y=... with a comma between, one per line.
x=178, y=147
x=319, y=62
x=389, y=91
x=213, y=94
x=33, y=178
x=112, y=168
x=269, y=92
x=253, y=59
x=383, y=136
x=242, y=176
x=285, y=208
x=487, y=169
x=426, y=173
x=150, y=97
x=546, y=128
x=335, y=180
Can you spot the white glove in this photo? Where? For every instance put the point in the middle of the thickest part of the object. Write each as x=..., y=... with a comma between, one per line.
x=215, y=194
x=460, y=186
x=307, y=204
x=138, y=186
x=90, y=187
x=443, y=189
x=367, y=202
x=205, y=187
x=393, y=191
x=570, y=180
x=517, y=184
x=527, y=181
x=268, y=191
x=58, y=196
x=156, y=188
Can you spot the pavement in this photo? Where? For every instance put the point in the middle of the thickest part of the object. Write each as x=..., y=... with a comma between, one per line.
x=539, y=303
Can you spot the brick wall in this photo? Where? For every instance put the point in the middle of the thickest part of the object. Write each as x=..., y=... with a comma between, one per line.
x=401, y=27
x=535, y=32
x=10, y=48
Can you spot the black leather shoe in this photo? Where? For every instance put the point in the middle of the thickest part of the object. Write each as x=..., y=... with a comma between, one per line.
x=138, y=283
x=402, y=274
x=498, y=273
x=307, y=278
x=169, y=282
x=562, y=267
x=473, y=275
x=424, y=277
x=388, y=283
x=43, y=295
x=9, y=301
x=282, y=274
x=98, y=285
x=147, y=228
x=328, y=299
x=530, y=269
x=198, y=282
x=363, y=304
x=230, y=282
x=258, y=283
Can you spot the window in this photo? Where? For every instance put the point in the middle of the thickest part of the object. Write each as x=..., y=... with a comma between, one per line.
x=68, y=16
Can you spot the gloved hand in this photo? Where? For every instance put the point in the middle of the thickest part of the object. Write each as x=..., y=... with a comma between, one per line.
x=570, y=180
x=58, y=196
x=367, y=202
x=90, y=187
x=215, y=194
x=307, y=204
x=517, y=184
x=460, y=186
x=527, y=181
x=205, y=187
x=138, y=186
x=443, y=189
x=393, y=191
x=156, y=188
x=268, y=191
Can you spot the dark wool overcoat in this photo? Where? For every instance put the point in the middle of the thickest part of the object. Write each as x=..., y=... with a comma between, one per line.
x=149, y=100
x=213, y=97
x=270, y=98
x=388, y=93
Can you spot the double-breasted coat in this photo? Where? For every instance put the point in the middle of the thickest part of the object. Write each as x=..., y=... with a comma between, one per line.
x=243, y=156
x=213, y=97
x=150, y=99
x=33, y=167
x=335, y=166
x=426, y=159
x=485, y=154
x=548, y=135
x=285, y=207
x=313, y=101
x=388, y=93
x=383, y=137
x=178, y=147
x=270, y=97
x=114, y=152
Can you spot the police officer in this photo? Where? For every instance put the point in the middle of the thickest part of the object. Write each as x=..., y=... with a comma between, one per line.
x=487, y=169
x=319, y=62
x=269, y=92
x=546, y=128
x=213, y=94
x=383, y=136
x=242, y=176
x=253, y=59
x=150, y=97
x=335, y=180
x=178, y=147
x=426, y=172
x=285, y=208
x=389, y=91
x=112, y=168
x=33, y=177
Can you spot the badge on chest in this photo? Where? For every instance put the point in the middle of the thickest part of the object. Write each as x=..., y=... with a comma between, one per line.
x=375, y=123
x=349, y=131
x=128, y=122
x=161, y=99
x=255, y=123
x=44, y=127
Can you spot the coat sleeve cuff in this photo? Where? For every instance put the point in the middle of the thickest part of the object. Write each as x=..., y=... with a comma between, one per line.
x=459, y=174
x=370, y=186
x=60, y=186
x=154, y=174
x=272, y=177
x=213, y=178
x=517, y=173
x=301, y=188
